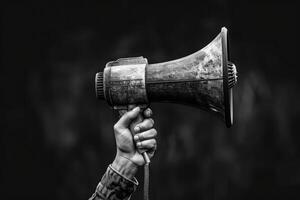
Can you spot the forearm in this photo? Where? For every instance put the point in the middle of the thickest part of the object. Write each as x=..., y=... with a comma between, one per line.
x=118, y=182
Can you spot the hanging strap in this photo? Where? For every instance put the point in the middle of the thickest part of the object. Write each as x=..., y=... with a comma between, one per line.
x=146, y=181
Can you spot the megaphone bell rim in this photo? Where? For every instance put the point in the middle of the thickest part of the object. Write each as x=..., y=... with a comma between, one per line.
x=228, y=93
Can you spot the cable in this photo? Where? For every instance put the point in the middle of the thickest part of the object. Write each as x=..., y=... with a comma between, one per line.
x=146, y=176
x=146, y=181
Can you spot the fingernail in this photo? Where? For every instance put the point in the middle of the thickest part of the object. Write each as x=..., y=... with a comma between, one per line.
x=139, y=144
x=136, y=108
x=137, y=129
x=136, y=137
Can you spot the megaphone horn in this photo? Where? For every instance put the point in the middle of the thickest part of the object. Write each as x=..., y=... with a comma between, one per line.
x=204, y=79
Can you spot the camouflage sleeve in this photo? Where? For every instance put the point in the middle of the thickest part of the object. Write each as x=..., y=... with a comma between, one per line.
x=114, y=186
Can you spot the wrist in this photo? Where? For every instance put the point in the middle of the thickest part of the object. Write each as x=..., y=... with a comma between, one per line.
x=124, y=166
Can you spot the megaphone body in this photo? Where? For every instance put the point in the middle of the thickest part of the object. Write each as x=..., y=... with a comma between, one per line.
x=203, y=79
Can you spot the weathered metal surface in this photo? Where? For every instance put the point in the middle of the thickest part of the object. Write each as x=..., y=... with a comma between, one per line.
x=195, y=80
x=203, y=79
x=126, y=82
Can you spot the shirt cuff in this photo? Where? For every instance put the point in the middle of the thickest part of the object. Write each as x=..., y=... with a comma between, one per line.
x=115, y=186
x=134, y=181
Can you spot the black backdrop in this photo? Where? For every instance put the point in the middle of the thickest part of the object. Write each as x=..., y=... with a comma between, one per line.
x=57, y=139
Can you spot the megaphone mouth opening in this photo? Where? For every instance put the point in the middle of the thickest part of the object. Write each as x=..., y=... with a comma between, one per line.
x=228, y=93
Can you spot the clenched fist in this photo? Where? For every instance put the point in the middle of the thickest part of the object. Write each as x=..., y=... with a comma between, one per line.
x=130, y=145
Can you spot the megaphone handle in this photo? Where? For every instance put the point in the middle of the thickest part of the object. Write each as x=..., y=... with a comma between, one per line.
x=138, y=120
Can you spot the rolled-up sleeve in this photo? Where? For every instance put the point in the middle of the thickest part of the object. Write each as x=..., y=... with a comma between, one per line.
x=114, y=186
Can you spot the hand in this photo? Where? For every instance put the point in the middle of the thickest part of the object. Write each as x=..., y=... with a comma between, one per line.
x=129, y=148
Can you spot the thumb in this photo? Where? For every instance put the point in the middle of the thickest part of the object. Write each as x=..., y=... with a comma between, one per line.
x=128, y=117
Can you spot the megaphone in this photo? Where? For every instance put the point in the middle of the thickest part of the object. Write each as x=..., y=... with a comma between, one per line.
x=204, y=79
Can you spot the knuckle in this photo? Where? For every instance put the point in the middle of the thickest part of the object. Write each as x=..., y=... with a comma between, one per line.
x=137, y=128
x=149, y=112
x=141, y=144
x=116, y=127
x=140, y=136
x=153, y=142
x=155, y=146
x=146, y=112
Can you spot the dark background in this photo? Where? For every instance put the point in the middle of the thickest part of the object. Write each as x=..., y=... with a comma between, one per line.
x=57, y=139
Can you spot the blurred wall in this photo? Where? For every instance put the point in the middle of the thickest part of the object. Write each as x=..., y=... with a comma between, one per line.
x=57, y=139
